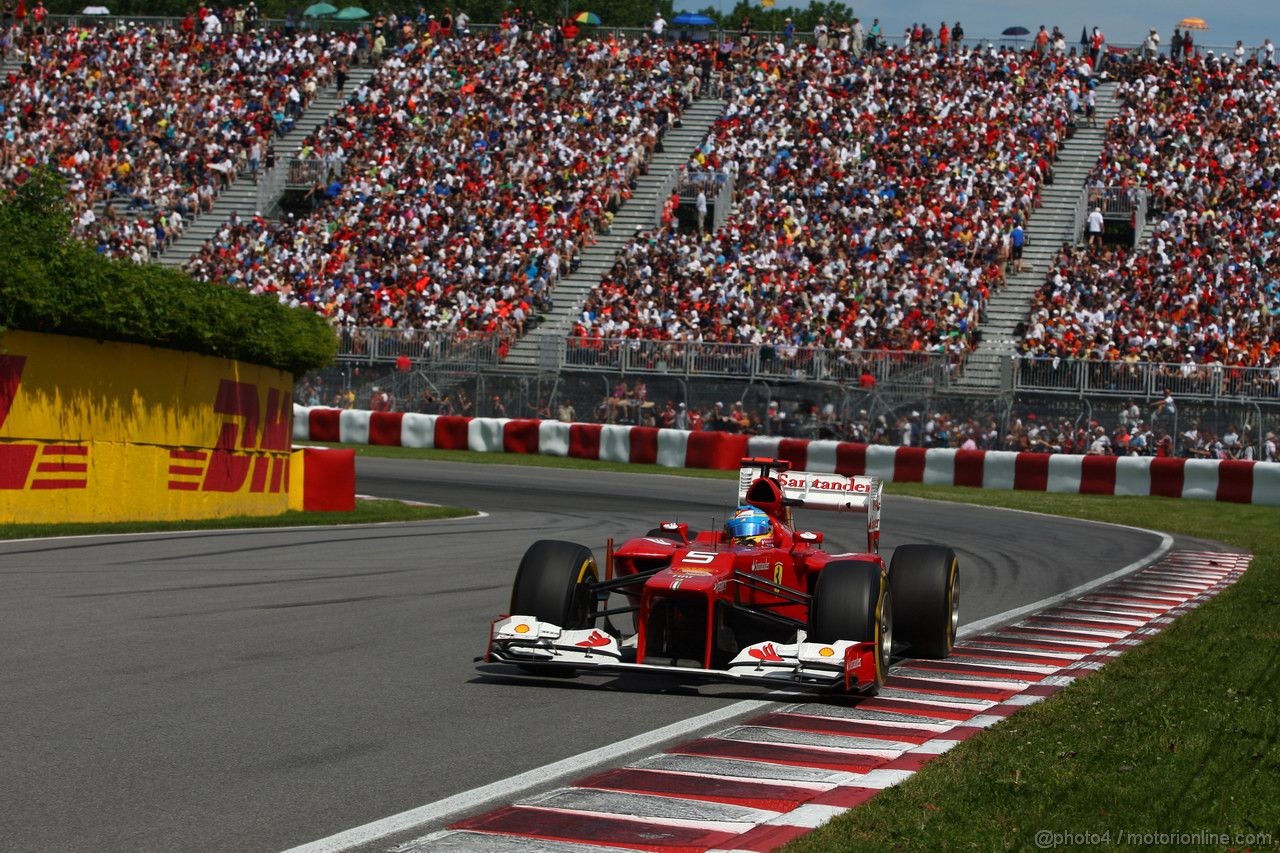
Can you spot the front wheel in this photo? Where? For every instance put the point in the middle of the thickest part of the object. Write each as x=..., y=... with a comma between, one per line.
x=926, y=584
x=553, y=584
x=852, y=601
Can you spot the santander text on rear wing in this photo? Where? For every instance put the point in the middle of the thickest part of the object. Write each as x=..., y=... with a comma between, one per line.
x=813, y=490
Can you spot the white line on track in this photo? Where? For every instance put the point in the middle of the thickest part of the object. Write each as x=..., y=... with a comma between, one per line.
x=510, y=788
x=441, y=811
x=1166, y=542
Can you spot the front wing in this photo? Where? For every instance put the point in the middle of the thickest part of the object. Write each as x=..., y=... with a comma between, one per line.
x=844, y=665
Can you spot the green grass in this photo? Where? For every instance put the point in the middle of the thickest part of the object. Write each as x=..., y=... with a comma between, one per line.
x=1181, y=734
x=366, y=512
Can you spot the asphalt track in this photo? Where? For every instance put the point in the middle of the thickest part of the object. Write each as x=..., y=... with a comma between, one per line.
x=257, y=690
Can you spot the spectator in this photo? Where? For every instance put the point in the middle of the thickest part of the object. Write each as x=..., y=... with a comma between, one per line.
x=1096, y=222
x=1151, y=45
x=1195, y=294
x=506, y=248
x=176, y=138
x=809, y=188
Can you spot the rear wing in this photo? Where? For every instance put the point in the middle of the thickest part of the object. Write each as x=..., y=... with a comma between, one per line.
x=812, y=490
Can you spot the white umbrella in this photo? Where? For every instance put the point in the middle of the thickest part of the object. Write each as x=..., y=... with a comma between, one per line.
x=96, y=10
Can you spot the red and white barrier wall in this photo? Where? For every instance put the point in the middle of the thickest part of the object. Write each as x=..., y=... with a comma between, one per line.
x=1201, y=479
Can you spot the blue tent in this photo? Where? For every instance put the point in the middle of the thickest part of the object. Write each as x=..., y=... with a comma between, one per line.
x=692, y=19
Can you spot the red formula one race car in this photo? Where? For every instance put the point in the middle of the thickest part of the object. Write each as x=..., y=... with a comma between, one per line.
x=758, y=601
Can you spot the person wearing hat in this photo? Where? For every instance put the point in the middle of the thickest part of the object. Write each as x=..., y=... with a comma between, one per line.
x=1151, y=45
x=1269, y=448
x=788, y=32
x=659, y=27
x=821, y=34
x=1095, y=226
x=682, y=416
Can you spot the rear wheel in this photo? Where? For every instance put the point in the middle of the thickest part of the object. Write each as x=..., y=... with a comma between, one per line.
x=851, y=601
x=926, y=586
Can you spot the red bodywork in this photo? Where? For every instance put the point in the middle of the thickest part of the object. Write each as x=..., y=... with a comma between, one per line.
x=760, y=592
x=708, y=608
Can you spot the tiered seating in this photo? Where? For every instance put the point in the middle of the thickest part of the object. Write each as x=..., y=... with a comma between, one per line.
x=473, y=171
x=149, y=124
x=1204, y=289
x=875, y=200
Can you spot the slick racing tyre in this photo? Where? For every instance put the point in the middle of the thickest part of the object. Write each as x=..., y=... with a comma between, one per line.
x=926, y=587
x=553, y=584
x=852, y=601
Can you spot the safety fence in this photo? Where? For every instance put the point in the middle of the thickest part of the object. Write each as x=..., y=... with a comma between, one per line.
x=750, y=362
x=1146, y=379
x=1200, y=479
x=420, y=346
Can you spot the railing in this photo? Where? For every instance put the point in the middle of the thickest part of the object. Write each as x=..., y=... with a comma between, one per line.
x=709, y=180
x=1140, y=218
x=308, y=172
x=1128, y=203
x=1145, y=379
x=1117, y=202
x=747, y=361
x=1079, y=216
x=270, y=187
x=928, y=372
x=665, y=190
x=724, y=201
x=420, y=346
x=717, y=184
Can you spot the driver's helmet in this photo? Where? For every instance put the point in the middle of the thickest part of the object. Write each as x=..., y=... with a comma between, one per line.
x=748, y=525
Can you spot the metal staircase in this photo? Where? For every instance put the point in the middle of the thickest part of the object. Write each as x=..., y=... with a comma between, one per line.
x=244, y=196
x=541, y=348
x=1052, y=224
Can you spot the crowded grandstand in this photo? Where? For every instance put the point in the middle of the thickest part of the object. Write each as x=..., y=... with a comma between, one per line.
x=881, y=191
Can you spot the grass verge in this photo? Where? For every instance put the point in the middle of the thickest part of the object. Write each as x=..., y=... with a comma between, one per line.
x=1178, y=736
x=366, y=512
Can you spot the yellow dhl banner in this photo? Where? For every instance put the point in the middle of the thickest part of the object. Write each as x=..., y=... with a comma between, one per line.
x=112, y=432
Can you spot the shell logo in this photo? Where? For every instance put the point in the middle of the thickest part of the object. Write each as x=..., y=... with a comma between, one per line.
x=826, y=651
x=521, y=628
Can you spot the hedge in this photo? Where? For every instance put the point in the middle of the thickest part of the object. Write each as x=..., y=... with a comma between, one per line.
x=52, y=283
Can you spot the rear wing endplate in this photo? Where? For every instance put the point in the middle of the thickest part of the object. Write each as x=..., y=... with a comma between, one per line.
x=813, y=490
